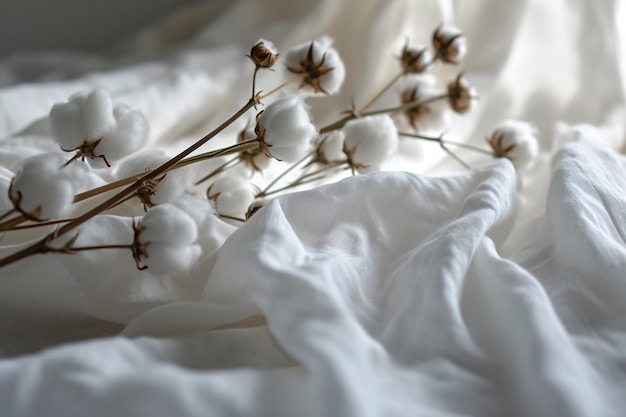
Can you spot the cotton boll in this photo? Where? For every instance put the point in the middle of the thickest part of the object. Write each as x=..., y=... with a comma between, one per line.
x=415, y=59
x=263, y=53
x=99, y=131
x=330, y=148
x=461, y=94
x=285, y=129
x=231, y=196
x=43, y=190
x=197, y=207
x=166, y=239
x=321, y=65
x=429, y=114
x=450, y=44
x=369, y=141
x=63, y=123
x=168, y=224
x=97, y=115
x=164, y=259
x=515, y=140
x=129, y=135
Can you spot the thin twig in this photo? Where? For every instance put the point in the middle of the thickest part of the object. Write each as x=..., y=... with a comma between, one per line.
x=219, y=169
x=282, y=175
x=381, y=92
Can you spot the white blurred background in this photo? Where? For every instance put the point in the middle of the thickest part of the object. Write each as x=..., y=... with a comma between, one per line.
x=85, y=25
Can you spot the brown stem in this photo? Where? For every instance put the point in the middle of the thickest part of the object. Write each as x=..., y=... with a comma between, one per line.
x=219, y=169
x=304, y=179
x=381, y=92
x=256, y=69
x=285, y=84
x=7, y=214
x=8, y=224
x=85, y=248
x=406, y=106
x=41, y=245
x=447, y=142
x=224, y=216
x=341, y=122
x=36, y=225
x=282, y=175
x=239, y=147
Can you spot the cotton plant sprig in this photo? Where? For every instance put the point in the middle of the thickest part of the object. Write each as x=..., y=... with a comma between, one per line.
x=511, y=139
x=285, y=119
x=360, y=142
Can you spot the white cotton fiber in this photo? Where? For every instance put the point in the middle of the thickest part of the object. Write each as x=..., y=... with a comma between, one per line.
x=43, y=190
x=231, y=195
x=167, y=223
x=370, y=141
x=287, y=129
x=165, y=259
x=324, y=54
x=89, y=117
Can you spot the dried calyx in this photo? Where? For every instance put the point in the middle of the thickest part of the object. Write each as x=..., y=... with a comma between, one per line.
x=263, y=54
x=415, y=60
x=449, y=44
x=319, y=64
x=461, y=94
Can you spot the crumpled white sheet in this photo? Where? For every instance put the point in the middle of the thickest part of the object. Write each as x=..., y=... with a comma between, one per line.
x=486, y=293
x=415, y=313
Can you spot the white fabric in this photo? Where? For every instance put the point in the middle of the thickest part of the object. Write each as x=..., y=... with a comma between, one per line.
x=487, y=293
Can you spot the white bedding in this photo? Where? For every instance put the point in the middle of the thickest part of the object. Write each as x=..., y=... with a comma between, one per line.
x=484, y=293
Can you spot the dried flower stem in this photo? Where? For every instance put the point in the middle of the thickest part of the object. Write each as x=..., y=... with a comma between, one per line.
x=224, y=216
x=341, y=122
x=8, y=224
x=407, y=105
x=226, y=165
x=306, y=179
x=256, y=70
x=36, y=225
x=198, y=158
x=447, y=142
x=7, y=214
x=264, y=192
x=381, y=92
x=41, y=246
x=285, y=84
x=86, y=248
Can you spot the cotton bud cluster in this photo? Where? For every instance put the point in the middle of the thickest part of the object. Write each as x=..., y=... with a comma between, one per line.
x=97, y=129
x=369, y=141
x=516, y=141
x=285, y=129
x=450, y=44
x=166, y=239
x=321, y=67
x=415, y=60
x=43, y=189
x=161, y=189
x=231, y=196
